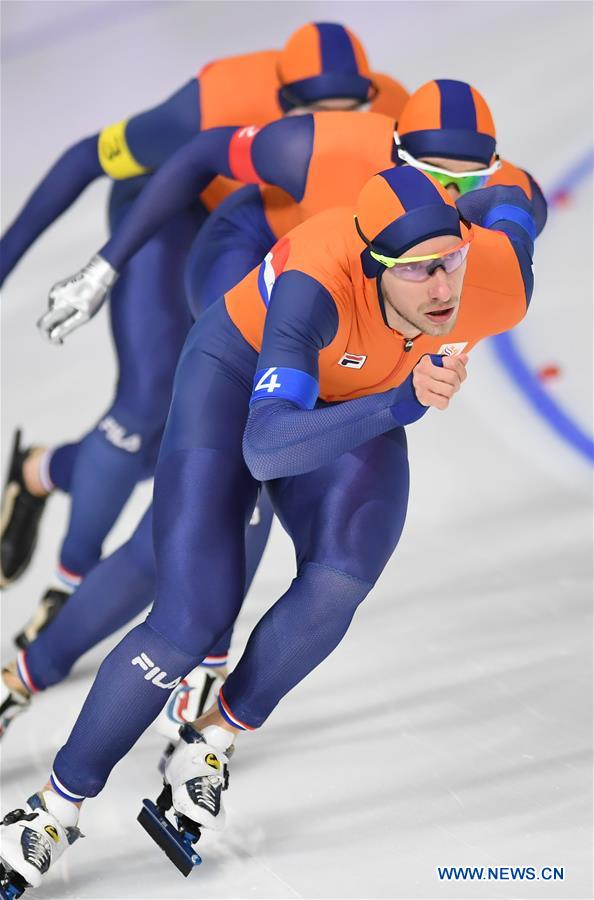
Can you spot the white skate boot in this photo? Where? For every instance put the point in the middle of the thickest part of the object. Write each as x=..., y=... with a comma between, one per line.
x=33, y=839
x=195, y=693
x=195, y=776
x=12, y=704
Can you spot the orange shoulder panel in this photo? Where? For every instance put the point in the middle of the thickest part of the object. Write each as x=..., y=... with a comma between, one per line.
x=511, y=176
x=240, y=90
x=493, y=297
x=348, y=148
x=391, y=96
x=314, y=247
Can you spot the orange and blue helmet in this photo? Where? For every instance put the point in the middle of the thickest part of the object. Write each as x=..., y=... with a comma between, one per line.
x=448, y=119
x=323, y=60
x=401, y=207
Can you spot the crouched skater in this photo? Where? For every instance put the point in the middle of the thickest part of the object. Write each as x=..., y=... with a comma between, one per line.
x=303, y=376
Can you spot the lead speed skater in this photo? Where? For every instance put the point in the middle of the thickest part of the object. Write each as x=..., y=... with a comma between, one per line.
x=403, y=285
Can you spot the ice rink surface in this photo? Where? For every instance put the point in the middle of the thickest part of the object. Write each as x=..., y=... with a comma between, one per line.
x=453, y=724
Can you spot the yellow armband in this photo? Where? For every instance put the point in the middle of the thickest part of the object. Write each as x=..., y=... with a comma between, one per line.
x=115, y=156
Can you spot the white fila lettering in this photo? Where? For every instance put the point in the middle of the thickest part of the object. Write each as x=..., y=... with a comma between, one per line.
x=452, y=349
x=116, y=435
x=154, y=673
x=352, y=361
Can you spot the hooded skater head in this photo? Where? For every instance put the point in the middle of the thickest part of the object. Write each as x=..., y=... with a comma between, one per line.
x=416, y=244
x=323, y=66
x=446, y=128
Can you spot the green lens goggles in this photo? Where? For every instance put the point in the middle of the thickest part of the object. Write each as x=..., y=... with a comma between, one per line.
x=469, y=183
x=463, y=181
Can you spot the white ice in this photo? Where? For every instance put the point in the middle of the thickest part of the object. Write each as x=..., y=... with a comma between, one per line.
x=453, y=724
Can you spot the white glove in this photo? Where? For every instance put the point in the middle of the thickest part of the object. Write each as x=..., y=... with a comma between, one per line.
x=75, y=300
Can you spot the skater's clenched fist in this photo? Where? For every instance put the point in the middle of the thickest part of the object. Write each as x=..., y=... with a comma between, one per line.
x=435, y=385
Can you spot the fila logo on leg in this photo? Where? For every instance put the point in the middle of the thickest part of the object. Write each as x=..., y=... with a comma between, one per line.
x=154, y=673
x=352, y=361
x=116, y=435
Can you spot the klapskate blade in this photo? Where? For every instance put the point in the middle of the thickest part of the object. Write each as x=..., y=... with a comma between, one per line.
x=10, y=891
x=167, y=838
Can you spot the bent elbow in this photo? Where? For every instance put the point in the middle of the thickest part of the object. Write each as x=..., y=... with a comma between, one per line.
x=260, y=464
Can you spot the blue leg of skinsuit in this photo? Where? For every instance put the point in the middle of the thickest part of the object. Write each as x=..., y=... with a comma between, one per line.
x=113, y=593
x=233, y=240
x=150, y=320
x=345, y=519
x=238, y=236
x=204, y=497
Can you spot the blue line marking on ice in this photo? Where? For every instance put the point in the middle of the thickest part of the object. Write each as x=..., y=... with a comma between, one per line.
x=510, y=357
x=508, y=353
x=577, y=173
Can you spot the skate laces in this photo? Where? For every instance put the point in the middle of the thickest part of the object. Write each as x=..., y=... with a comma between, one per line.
x=205, y=791
x=36, y=848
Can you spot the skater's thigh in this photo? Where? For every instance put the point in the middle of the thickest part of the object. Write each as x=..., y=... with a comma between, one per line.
x=204, y=494
x=211, y=391
x=349, y=515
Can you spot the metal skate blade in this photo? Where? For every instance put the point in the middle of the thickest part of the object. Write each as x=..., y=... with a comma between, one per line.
x=12, y=885
x=168, y=838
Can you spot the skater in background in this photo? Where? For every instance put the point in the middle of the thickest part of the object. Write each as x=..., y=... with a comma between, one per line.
x=323, y=65
x=364, y=322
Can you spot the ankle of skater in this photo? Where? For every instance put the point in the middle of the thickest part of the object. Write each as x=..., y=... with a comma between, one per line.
x=11, y=679
x=220, y=732
x=34, y=475
x=65, y=810
x=218, y=671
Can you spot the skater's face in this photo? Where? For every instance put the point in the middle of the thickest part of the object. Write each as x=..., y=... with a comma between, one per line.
x=452, y=165
x=427, y=307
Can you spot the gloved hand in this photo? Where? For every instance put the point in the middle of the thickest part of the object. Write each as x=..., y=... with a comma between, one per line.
x=75, y=300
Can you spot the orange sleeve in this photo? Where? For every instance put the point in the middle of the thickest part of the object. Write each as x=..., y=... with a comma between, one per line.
x=319, y=248
x=240, y=90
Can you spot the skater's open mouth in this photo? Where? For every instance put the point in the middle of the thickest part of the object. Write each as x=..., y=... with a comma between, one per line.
x=441, y=314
